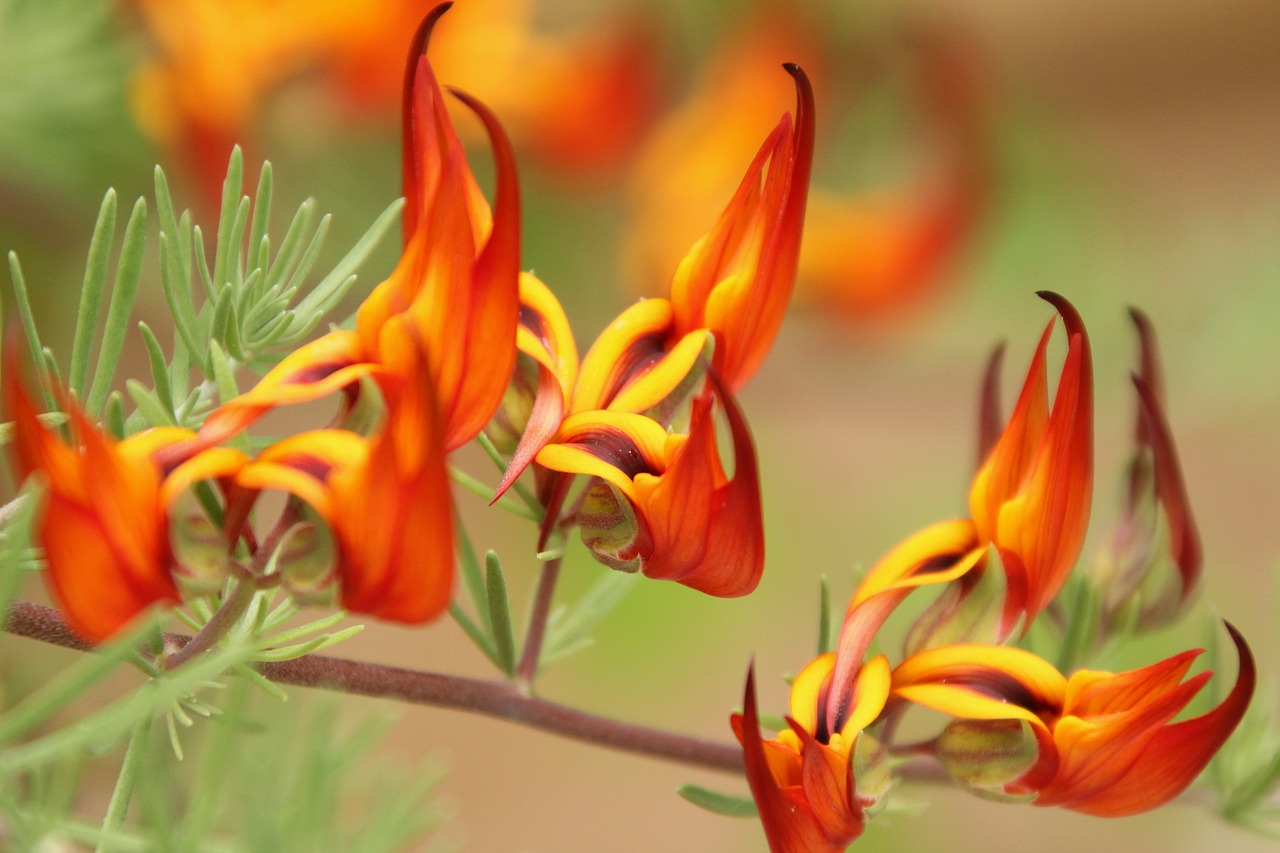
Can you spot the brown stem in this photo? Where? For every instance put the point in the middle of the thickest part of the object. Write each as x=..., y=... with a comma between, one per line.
x=527, y=669
x=216, y=628
x=492, y=698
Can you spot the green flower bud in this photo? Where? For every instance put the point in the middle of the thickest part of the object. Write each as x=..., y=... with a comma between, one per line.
x=984, y=756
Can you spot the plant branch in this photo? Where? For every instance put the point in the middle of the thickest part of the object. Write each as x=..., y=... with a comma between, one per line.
x=493, y=698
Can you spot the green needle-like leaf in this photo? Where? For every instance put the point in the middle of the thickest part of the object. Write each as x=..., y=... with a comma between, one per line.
x=123, y=293
x=824, y=616
x=261, y=218
x=571, y=632
x=159, y=369
x=715, y=802
x=23, y=302
x=95, y=280
x=504, y=639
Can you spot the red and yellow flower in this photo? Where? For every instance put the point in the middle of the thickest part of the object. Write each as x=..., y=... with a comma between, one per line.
x=384, y=498
x=1029, y=501
x=1106, y=744
x=814, y=784
x=662, y=503
x=105, y=512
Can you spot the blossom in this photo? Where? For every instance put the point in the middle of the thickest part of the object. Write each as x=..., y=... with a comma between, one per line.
x=732, y=288
x=457, y=280
x=1029, y=501
x=105, y=512
x=1105, y=743
x=814, y=785
x=385, y=498
x=736, y=281
x=662, y=503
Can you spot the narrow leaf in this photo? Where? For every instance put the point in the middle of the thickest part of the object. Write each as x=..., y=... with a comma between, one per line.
x=159, y=369
x=717, y=803
x=123, y=293
x=504, y=639
x=95, y=279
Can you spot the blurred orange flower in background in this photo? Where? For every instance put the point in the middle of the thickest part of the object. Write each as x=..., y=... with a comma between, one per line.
x=576, y=98
x=864, y=251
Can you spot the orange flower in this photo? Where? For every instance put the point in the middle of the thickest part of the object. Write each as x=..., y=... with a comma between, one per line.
x=218, y=63
x=1030, y=500
x=104, y=520
x=385, y=498
x=457, y=280
x=662, y=503
x=732, y=287
x=810, y=783
x=1106, y=745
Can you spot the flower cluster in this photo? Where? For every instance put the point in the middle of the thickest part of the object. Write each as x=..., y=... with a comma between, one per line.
x=1096, y=742
x=451, y=338
x=624, y=444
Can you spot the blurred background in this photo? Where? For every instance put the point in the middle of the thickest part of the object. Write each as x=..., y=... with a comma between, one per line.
x=970, y=152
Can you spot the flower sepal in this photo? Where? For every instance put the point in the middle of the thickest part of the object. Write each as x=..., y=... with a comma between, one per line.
x=986, y=757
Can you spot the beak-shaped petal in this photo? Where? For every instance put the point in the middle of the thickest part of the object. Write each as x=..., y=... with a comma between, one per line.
x=1107, y=743
x=737, y=280
x=1031, y=498
x=813, y=811
x=1159, y=760
x=458, y=278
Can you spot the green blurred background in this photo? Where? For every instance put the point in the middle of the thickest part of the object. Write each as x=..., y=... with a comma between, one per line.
x=1130, y=159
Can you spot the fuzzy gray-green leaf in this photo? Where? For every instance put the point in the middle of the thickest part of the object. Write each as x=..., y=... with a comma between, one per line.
x=95, y=280
x=123, y=293
x=504, y=640
x=716, y=802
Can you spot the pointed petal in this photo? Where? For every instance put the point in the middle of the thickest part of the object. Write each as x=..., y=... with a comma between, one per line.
x=310, y=372
x=979, y=682
x=708, y=534
x=789, y=825
x=1176, y=755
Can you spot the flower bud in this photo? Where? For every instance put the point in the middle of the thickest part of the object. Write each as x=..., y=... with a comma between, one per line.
x=306, y=562
x=200, y=551
x=871, y=778
x=984, y=756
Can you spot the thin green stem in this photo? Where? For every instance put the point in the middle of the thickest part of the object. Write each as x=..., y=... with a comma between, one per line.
x=531, y=655
x=119, y=805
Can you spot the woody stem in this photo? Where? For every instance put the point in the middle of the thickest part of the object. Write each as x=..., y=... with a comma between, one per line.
x=493, y=698
x=527, y=669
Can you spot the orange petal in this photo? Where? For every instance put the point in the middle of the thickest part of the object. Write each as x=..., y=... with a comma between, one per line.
x=312, y=371
x=708, y=534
